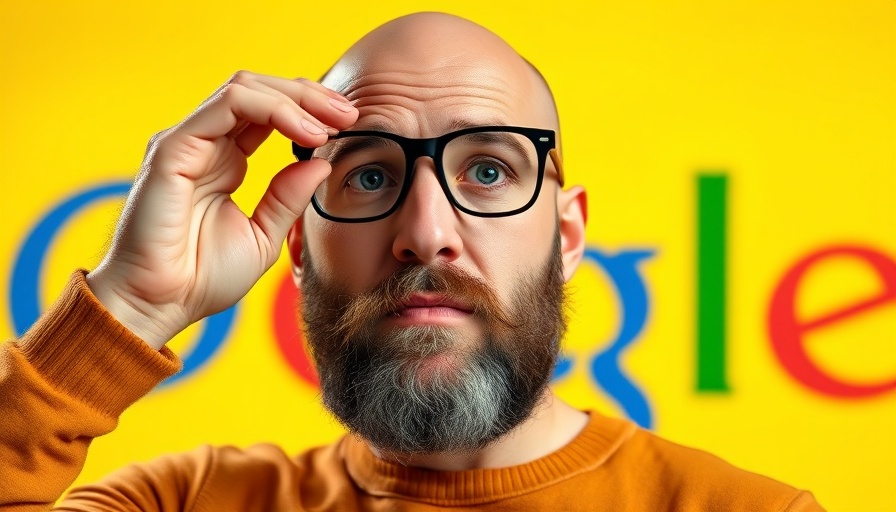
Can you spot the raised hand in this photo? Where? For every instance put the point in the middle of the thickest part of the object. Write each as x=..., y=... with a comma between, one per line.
x=183, y=250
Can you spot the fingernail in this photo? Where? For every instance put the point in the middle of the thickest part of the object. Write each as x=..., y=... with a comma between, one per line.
x=341, y=105
x=332, y=131
x=311, y=127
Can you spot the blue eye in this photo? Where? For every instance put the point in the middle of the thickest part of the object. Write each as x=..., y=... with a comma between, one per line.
x=369, y=180
x=485, y=173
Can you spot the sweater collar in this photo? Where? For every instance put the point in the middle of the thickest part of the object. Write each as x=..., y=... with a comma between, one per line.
x=600, y=438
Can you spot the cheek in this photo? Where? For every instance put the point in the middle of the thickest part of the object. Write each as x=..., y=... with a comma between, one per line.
x=353, y=255
x=505, y=249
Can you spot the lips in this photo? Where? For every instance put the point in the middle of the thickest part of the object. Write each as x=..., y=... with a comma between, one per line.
x=431, y=303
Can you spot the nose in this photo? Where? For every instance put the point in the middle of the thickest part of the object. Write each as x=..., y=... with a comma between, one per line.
x=426, y=222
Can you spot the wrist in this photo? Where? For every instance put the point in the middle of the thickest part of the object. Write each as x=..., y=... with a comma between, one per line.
x=148, y=323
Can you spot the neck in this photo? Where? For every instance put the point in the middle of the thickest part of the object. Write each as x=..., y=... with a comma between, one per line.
x=551, y=426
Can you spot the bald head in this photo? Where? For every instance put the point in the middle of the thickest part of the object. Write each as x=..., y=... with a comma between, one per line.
x=426, y=61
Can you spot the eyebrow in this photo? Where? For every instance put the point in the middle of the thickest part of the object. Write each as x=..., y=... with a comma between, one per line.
x=504, y=139
x=377, y=126
x=347, y=146
x=459, y=124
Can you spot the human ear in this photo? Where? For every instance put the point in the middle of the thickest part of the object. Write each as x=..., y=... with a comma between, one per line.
x=294, y=245
x=572, y=212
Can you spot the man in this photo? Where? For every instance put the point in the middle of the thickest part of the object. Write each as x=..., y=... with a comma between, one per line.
x=432, y=259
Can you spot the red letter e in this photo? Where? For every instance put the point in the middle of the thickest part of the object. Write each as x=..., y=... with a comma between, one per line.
x=787, y=332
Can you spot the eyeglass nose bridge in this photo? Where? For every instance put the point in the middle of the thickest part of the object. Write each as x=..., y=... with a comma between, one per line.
x=414, y=149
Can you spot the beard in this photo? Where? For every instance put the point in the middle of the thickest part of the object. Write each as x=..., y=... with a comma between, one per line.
x=381, y=383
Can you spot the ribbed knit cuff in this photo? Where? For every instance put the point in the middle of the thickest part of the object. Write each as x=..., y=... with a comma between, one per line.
x=83, y=351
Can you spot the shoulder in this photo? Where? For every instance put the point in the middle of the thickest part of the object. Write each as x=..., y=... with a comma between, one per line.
x=209, y=475
x=267, y=457
x=264, y=462
x=699, y=480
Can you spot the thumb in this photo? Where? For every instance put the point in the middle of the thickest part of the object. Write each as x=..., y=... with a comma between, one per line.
x=286, y=198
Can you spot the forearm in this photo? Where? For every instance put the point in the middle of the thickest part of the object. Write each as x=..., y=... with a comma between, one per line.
x=64, y=383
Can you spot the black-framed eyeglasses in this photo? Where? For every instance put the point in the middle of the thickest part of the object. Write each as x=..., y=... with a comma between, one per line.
x=486, y=171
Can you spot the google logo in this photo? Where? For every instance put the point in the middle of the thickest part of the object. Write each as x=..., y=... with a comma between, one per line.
x=786, y=331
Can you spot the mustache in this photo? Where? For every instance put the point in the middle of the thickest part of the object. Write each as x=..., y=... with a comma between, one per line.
x=394, y=292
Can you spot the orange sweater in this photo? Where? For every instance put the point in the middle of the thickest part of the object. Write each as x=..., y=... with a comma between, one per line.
x=77, y=369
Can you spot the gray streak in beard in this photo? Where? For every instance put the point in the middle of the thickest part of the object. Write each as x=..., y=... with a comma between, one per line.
x=404, y=413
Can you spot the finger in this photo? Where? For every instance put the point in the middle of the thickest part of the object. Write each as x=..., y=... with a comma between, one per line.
x=286, y=198
x=322, y=88
x=325, y=104
x=251, y=138
x=238, y=129
x=236, y=103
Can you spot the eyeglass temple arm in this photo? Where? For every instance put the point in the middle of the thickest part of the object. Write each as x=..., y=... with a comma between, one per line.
x=555, y=157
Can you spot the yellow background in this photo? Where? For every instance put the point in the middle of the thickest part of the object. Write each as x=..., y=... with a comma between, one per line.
x=794, y=100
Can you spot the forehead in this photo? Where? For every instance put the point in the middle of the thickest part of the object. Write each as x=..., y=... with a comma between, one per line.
x=427, y=92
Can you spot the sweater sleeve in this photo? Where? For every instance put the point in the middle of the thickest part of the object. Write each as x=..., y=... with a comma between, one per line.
x=66, y=381
x=804, y=502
